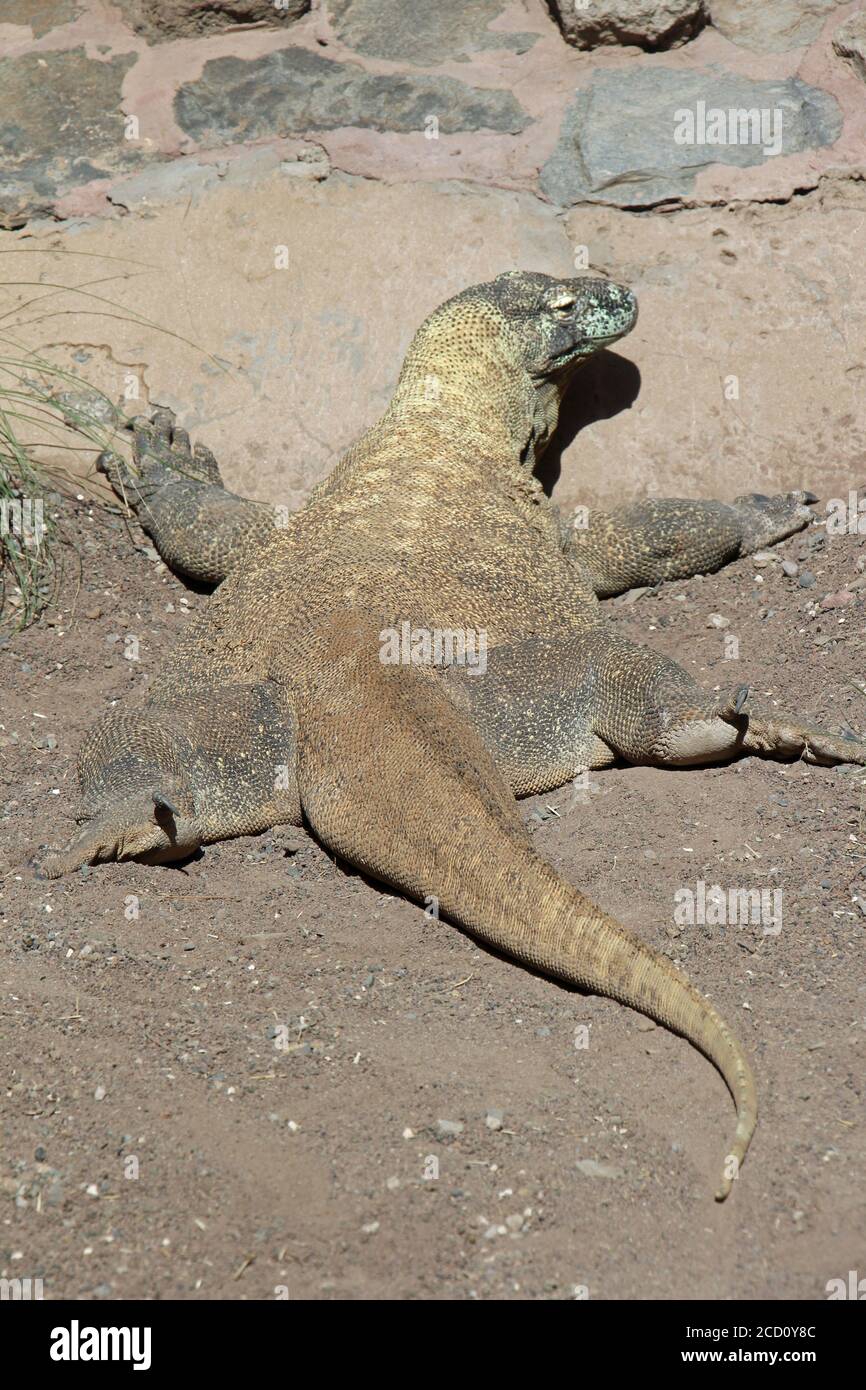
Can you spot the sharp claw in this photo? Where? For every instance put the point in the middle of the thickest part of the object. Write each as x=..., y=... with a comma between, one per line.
x=164, y=804
x=731, y=708
x=180, y=441
x=162, y=421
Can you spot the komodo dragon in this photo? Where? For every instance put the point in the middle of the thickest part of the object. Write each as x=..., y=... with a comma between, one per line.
x=277, y=707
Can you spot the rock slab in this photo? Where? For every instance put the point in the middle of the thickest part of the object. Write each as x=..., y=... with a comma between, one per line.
x=627, y=138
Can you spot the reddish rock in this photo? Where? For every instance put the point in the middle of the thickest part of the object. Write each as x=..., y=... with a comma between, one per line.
x=841, y=599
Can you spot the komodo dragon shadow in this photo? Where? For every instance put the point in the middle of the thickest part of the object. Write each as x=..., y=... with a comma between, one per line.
x=277, y=707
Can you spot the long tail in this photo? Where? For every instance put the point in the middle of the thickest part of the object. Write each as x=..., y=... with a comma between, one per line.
x=395, y=779
x=546, y=923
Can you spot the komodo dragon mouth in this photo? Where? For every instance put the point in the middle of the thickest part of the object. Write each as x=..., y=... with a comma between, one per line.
x=276, y=707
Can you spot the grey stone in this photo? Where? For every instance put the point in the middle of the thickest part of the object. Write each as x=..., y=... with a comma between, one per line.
x=87, y=406
x=650, y=24
x=293, y=91
x=849, y=41
x=449, y=1128
x=421, y=32
x=60, y=125
x=42, y=17
x=591, y=1168
x=617, y=144
x=771, y=26
x=159, y=20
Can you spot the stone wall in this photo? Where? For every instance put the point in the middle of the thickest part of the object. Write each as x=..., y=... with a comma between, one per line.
x=289, y=188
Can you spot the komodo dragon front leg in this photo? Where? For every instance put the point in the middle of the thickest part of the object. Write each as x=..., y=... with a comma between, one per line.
x=649, y=541
x=178, y=496
x=551, y=707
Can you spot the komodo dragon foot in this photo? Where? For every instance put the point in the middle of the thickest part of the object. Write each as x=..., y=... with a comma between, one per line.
x=280, y=701
x=179, y=497
x=657, y=539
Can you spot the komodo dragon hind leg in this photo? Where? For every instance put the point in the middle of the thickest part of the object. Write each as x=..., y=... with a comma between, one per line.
x=647, y=542
x=178, y=496
x=138, y=802
x=192, y=765
x=393, y=777
x=551, y=707
x=149, y=827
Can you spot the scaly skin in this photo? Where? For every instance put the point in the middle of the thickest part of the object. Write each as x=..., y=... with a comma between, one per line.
x=276, y=704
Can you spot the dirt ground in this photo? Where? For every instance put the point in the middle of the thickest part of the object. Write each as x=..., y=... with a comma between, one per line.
x=240, y=1078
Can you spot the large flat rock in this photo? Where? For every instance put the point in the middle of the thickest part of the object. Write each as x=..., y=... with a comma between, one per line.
x=637, y=137
x=750, y=349
x=293, y=91
x=280, y=369
x=61, y=125
x=418, y=32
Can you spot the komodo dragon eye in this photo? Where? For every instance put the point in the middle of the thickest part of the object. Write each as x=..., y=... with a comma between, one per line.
x=563, y=303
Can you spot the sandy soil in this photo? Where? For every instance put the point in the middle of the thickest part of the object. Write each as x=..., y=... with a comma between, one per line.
x=230, y=1079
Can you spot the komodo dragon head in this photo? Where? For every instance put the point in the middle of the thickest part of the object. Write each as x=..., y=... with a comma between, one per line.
x=509, y=348
x=557, y=324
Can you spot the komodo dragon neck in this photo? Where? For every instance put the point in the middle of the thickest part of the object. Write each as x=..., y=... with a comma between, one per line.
x=494, y=412
x=496, y=405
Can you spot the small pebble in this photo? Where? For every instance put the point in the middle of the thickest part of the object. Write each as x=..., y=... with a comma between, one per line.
x=840, y=599
x=449, y=1127
x=592, y=1169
